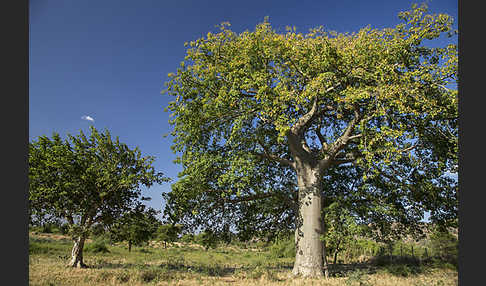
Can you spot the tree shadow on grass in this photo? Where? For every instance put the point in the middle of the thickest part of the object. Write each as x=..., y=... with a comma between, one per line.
x=403, y=266
x=213, y=270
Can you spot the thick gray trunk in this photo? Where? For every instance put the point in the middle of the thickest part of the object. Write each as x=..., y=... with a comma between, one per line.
x=309, y=247
x=77, y=253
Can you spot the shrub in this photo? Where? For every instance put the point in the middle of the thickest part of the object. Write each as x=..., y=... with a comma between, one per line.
x=444, y=246
x=98, y=246
x=404, y=270
x=187, y=238
x=207, y=239
x=47, y=228
x=64, y=228
x=283, y=248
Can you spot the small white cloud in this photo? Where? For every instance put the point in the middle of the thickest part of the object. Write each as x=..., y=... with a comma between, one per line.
x=87, y=117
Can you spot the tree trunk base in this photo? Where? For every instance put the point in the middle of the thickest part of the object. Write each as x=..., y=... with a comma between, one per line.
x=77, y=265
x=306, y=272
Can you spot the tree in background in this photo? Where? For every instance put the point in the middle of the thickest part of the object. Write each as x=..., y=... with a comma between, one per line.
x=444, y=245
x=340, y=229
x=168, y=233
x=86, y=180
x=135, y=226
x=266, y=123
x=207, y=239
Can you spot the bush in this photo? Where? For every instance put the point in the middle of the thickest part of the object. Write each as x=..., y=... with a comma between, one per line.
x=187, y=238
x=206, y=239
x=444, y=246
x=404, y=270
x=98, y=246
x=47, y=228
x=64, y=229
x=283, y=248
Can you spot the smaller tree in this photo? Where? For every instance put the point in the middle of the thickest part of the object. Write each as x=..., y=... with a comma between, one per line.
x=444, y=245
x=341, y=229
x=168, y=233
x=187, y=238
x=208, y=239
x=86, y=180
x=135, y=226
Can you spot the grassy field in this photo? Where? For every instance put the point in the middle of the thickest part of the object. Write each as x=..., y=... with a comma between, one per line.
x=192, y=265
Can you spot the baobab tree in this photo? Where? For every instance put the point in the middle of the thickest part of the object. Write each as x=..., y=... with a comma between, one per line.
x=263, y=119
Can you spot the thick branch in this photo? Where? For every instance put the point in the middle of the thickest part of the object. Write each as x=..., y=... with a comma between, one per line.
x=407, y=149
x=324, y=144
x=306, y=119
x=249, y=198
x=273, y=157
x=343, y=161
x=341, y=142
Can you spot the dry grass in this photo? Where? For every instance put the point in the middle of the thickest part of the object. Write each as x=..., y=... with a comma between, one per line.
x=183, y=266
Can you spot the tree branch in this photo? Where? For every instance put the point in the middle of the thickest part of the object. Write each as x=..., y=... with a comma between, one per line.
x=341, y=142
x=304, y=121
x=273, y=157
x=324, y=144
x=347, y=158
x=407, y=149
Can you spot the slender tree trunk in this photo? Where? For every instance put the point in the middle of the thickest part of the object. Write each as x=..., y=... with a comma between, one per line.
x=324, y=258
x=308, y=260
x=335, y=256
x=129, y=246
x=336, y=252
x=77, y=253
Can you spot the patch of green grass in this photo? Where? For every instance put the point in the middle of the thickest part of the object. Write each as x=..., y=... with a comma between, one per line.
x=159, y=266
x=357, y=277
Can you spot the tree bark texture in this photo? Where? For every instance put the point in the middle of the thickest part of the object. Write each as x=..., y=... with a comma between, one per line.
x=77, y=253
x=309, y=247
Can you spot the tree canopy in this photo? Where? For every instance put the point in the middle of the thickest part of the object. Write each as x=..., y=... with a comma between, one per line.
x=135, y=226
x=86, y=180
x=273, y=126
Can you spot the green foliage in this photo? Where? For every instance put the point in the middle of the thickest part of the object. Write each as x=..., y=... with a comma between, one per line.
x=47, y=228
x=207, y=239
x=251, y=108
x=135, y=226
x=444, y=245
x=48, y=246
x=404, y=270
x=97, y=230
x=86, y=180
x=168, y=233
x=64, y=228
x=341, y=228
x=98, y=245
x=283, y=247
x=187, y=238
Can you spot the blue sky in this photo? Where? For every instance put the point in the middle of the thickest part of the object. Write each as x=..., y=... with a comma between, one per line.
x=109, y=59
